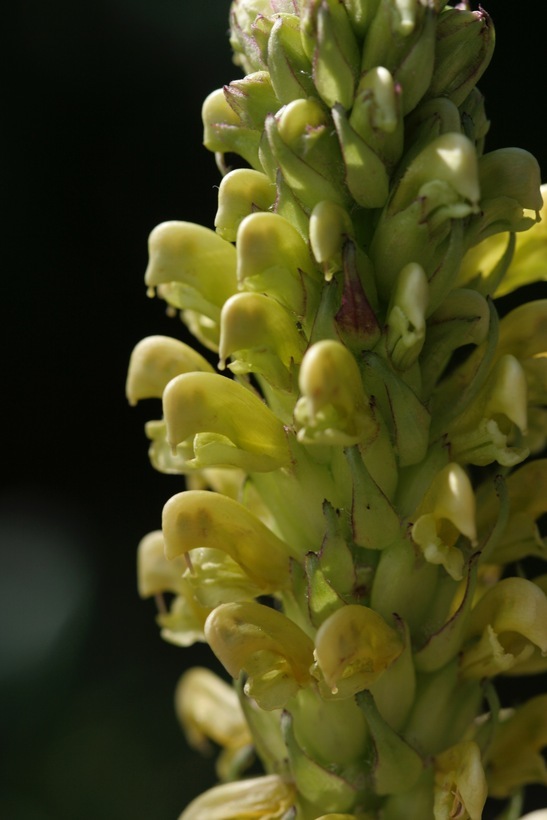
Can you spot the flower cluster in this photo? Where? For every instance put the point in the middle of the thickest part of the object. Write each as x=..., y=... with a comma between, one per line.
x=366, y=481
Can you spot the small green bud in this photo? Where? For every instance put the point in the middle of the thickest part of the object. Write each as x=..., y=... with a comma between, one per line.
x=289, y=67
x=300, y=138
x=330, y=228
x=331, y=46
x=361, y=13
x=376, y=115
x=397, y=765
x=401, y=37
x=365, y=173
x=252, y=99
x=464, y=47
x=321, y=785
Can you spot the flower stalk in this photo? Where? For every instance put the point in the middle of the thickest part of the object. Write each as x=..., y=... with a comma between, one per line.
x=363, y=480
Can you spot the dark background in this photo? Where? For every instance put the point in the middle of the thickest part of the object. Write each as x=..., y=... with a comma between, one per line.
x=101, y=140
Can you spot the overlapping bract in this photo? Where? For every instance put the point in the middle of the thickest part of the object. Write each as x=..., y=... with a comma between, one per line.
x=354, y=471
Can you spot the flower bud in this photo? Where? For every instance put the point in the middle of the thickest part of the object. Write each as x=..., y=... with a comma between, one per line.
x=252, y=99
x=401, y=37
x=197, y=518
x=376, y=115
x=289, y=67
x=238, y=429
x=224, y=132
x=397, y=765
x=361, y=13
x=324, y=786
x=365, y=174
x=331, y=46
x=330, y=228
x=267, y=796
x=241, y=192
x=463, y=50
x=270, y=648
x=333, y=408
x=300, y=139
x=353, y=647
x=155, y=361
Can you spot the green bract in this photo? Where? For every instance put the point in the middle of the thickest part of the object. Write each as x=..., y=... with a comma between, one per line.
x=359, y=478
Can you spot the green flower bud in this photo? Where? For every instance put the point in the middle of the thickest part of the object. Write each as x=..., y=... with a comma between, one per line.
x=365, y=174
x=224, y=131
x=331, y=46
x=323, y=786
x=397, y=765
x=241, y=192
x=252, y=99
x=289, y=67
x=269, y=796
x=330, y=228
x=406, y=317
x=270, y=648
x=402, y=38
x=333, y=408
x=155, y=361
x=376, y=115
x=237, y=428
x=464, y=47
x=460, y=784
x=301, y=143
x=197, y=518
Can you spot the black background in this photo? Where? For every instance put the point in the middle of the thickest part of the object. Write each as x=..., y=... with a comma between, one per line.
x=101, y=140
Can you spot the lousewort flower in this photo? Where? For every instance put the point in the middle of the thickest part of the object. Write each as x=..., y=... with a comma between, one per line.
x=364, y=483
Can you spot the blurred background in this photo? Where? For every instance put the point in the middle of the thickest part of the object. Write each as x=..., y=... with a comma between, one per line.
x=101, y=141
